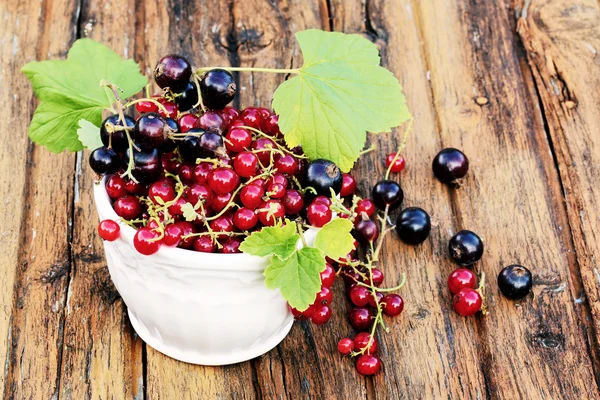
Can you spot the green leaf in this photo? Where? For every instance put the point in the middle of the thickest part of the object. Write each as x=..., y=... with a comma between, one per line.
x=189, y=212
x=70, y=90
x=297, y=277
x=334, y=238
x=340, y=92
x=278, y=240
x=89, y=135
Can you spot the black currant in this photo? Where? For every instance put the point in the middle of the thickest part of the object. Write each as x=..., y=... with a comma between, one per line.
x=323, y=175
x=413, y=225
x=188, y=98
x=366, y=231
x=387, y=193
x=190, y=148
x=466, y=248
x=217, y=88
x=450, y=164
x=212, y=144
x=147, y=165
x=104, y=161
x=119, y=138
x=515, y=282
x=149, y=131
x=174, y=72
x=169, y=144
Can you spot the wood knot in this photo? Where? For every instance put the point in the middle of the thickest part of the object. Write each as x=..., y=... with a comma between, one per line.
x=549, y=340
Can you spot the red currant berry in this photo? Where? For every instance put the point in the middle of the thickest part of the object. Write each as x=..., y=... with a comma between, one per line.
x=323, y=199
x=361, y=341
x=205, y=244
x=318, y=214
x=325, y=296
x=223, y=180
x=345, y=346
x=144, y=107
x=109, y=230
x=373, y=302
x=461, y=278
x=359, y=295
x=286, y=164
x=366, y=230
x=231, y=245
x=144, y=241
x=170, y=164
x=392, y=304
x=201, y=172
x=303, y=315
x=366, y=206
x=245, y=164
x=173, y=234
x=467, y=302
x=271, y=125
x=245, y=219
x=293, y=201
x=263, y=147
x=350, y=276
x=321, y=315
x=186, y=173
x=328, y=276
x=187, y=122
x=128, y=207
x=115, y=187
x=211, y=121
x=265, y=112
x=368, y=365
x=187, y=228
x=220, y=201
x=175, y=208
x=251, y=196
x=237, y=140
x=398, y=163
x=348, y=185
x=270, y=211
x=360, y=318
x=229, y=114
x=171, y=109
x=221, y=224
x=376, y=277
x=199, y=192
x=162, y=189
x=252, y=117
x=275, y=190
x=133, y=187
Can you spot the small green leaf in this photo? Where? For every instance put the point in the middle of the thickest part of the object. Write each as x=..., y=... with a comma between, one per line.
x=278, y=240
x=70, y=90
x=297, y=277
x=189, y=213
x=335, y=239
x=340, y=92
x=89, y=135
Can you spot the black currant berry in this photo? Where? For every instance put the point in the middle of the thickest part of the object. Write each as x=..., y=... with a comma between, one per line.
x=147, y=165
x=366, y=231
x=413, y=225
x=169, y=144
x=218, y=89
x=190, y=148
x=387, y=193
x=188, y=98
x=515, y=282
x=104, y=161
x=466, y=248
x=174, y=72
x=149, y=131
x=450, y=164
x=119, y=138
x=323, y=175
x=212, y=144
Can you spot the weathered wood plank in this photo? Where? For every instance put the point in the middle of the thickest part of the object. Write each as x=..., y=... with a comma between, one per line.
x=44, y=260
x=562, y=40
x=102, y=357
x=511, y=197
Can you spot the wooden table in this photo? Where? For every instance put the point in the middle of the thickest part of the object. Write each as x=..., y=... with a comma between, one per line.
x=516, y=86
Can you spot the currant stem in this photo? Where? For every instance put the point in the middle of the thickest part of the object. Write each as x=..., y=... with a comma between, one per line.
x=251, y=69
x=383, y=233
x=400, y=148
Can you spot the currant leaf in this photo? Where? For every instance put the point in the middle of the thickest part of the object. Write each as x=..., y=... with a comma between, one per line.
x=70, y=90
x=89, y=135
x=334, y=238
x=189, y=212
x=297, y=277
x=275, y=240
x=339, y=94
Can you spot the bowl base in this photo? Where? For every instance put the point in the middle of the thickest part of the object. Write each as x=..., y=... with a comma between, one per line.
x=195, y=357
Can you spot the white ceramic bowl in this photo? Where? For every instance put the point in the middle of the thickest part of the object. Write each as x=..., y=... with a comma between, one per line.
x=208, y=309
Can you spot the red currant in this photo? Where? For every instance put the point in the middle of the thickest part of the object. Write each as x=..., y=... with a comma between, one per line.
x=187, y=228
x=325, y=296
x=175, y=208
x=367, y=230
x=220, y=201
x=162, y=189
x=144, y=241
x=144, y=107
x=323, y=199
x=263, y=147
x=467, y=302
x=264, y=112
x=367, y=365
x=361, y=341
x=392, y=304
x=186, y=173
x=318, y=214
x=366, y=206
x=251, y=196
x=398, y=163
x=205, y=244
x=231, y=245
x=270, y=211
x=187, y=122
x=199, y=192
x=275, y=190
x=252, y=117
x=109, y=230
x=374, y=301
x=245, y=219
x=359, y=295
x=128, y=207
x=171, y=109
x=223, y=180
x=360, y=318
x=173, y=234
x=229, y=114
x=286, y=164
x=245, y=164
x=115, y=187
x=201, y=172
x=271, y=125
x=321, y=315
x=345, y=346
x=293, y=201
x=461, y=278
x=303, y=315
x=238, y=139
x=348, y=185
x=328, y=276
x=221, y=224
x=376, y=277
